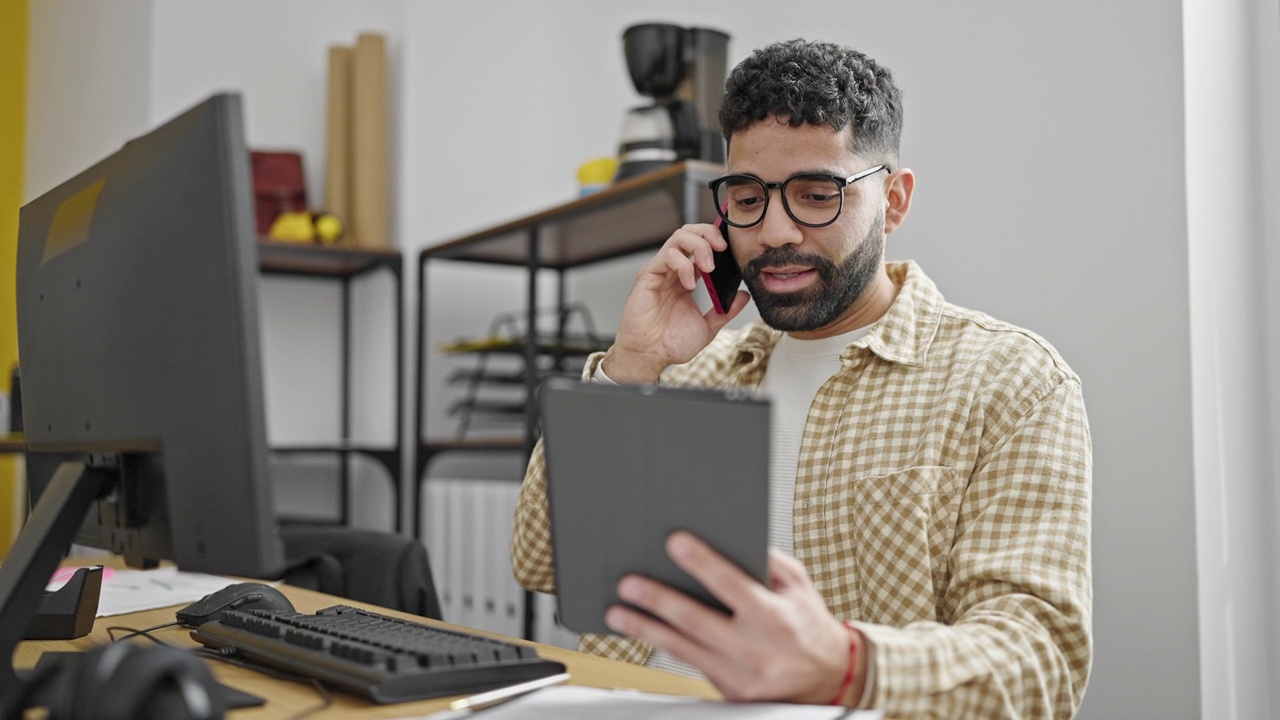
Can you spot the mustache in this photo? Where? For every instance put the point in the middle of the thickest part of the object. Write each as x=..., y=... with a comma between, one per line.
x=788, y=255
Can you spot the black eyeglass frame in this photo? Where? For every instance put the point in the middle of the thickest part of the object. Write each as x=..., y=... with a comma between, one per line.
x=781, y=187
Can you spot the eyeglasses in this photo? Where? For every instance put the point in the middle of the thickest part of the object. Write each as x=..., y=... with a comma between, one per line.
x=811, y=199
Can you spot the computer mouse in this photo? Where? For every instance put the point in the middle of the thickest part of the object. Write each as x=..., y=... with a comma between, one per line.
x=241, y=596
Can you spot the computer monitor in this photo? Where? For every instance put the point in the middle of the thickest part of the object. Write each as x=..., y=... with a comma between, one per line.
x=141, y=368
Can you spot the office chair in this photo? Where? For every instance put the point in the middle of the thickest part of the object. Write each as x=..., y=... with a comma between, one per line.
x=381, y=568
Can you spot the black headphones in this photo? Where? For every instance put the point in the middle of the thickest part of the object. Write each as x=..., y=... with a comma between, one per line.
x=124, y=680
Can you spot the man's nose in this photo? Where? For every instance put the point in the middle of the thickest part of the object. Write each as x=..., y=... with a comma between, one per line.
x=776, y=227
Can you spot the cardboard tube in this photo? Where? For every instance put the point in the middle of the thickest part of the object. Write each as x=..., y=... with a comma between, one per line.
x=337, y=176
x=371, y=186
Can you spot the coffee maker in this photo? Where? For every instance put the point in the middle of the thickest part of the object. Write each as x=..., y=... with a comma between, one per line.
x=683, y=71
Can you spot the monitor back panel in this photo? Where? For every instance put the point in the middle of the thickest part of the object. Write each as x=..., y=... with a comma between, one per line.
x=138, y=328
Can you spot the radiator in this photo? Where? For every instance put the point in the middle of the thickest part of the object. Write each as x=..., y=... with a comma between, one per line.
x=467, y=528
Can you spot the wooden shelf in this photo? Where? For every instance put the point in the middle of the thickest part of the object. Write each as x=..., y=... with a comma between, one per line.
x=284, y=258
x=478, y=444
x=576, y=347
x=339, y=446
x=630, y=216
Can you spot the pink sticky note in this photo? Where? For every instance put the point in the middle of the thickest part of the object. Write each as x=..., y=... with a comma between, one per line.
x=63, y=575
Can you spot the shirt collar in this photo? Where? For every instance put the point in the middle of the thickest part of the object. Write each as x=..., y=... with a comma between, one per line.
x=904, y=333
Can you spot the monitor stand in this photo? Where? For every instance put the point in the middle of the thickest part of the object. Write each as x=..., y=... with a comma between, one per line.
x=44, y=540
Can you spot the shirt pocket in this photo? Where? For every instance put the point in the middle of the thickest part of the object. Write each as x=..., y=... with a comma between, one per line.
x=900, y=530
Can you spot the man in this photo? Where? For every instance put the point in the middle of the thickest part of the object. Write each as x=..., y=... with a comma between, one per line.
x=930, y=466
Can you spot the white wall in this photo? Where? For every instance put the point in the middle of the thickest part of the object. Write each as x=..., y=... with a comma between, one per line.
x=1049, y=144
x=87, y=92
x=1054, y=189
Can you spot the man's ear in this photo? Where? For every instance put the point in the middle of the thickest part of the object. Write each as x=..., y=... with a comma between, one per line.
x=901, y=186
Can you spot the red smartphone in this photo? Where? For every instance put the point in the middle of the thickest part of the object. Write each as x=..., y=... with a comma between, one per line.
x=725, y=278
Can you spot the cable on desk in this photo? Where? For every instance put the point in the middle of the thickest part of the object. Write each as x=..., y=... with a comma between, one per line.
x=228, y=655
x=144, y=633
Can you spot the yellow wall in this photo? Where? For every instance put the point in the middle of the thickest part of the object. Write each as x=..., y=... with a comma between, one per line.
x=13, y=90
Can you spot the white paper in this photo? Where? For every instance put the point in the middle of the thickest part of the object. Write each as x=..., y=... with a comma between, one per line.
x=584, y=703
x=127, y=591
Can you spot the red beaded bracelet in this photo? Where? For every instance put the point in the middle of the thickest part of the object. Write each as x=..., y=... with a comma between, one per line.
x=853, y=661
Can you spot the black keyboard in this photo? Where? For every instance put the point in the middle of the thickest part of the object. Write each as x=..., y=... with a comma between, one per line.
x=385, y=659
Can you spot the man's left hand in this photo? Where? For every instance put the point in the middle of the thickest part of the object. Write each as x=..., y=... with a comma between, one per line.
x=780, y=643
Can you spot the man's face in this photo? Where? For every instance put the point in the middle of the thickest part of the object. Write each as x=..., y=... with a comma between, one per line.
x=803, y=278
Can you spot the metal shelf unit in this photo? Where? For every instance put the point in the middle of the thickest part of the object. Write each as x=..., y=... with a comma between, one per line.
x=631, y=216
x=345, y=265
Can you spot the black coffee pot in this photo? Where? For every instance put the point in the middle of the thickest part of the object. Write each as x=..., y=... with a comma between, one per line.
x=683, y=71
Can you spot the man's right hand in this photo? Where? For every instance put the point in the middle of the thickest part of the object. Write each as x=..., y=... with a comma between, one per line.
x=661, y=323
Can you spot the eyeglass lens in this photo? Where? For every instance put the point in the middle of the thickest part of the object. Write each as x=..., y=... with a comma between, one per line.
x=810, y=199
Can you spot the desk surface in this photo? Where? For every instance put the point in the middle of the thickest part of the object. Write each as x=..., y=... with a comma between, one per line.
x=285, y=699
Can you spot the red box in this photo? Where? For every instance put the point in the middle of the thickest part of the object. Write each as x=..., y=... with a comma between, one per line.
x=278, y=186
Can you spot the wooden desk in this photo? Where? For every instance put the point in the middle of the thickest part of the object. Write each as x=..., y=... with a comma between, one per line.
x=285, y=699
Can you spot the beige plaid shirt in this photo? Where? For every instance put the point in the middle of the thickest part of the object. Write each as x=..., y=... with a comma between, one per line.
x=942, y=503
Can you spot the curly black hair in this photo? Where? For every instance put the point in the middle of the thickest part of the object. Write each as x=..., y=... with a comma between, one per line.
x=799, y=81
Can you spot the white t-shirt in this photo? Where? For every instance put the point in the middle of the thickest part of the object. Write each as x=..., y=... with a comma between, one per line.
x=797, y=368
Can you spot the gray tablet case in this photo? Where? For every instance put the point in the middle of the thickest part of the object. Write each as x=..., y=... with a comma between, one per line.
x=628, y=465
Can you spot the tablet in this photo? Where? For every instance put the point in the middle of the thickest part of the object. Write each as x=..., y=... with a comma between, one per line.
x=627, y=465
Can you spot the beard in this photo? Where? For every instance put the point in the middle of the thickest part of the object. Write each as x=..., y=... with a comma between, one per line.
x=837, y=288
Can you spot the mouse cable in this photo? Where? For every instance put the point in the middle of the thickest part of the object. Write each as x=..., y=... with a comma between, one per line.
x=228, y=655
x=144, y=633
